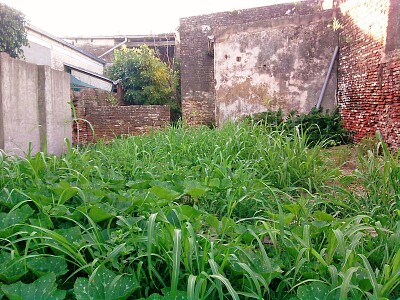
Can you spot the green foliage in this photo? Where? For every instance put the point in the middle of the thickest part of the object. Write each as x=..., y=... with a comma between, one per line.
x=43, y=288
x=319, y=126
x=104, y=284
x=143, y=76
x=242, y=212
x=322, y=126
x=12, y=31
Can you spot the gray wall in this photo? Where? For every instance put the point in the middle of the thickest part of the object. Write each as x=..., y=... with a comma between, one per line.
x=34, y=107
x=273, y=64
x=263, y=58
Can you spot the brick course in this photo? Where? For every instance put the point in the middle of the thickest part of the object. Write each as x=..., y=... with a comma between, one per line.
x=108, y=121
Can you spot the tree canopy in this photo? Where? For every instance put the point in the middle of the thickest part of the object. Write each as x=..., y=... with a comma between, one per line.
x=143, y=76
x=12, y=31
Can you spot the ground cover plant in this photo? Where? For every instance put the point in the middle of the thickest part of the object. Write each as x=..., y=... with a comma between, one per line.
x=247, y=211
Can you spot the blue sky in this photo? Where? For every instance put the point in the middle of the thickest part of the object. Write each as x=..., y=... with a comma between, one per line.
x=93, y=17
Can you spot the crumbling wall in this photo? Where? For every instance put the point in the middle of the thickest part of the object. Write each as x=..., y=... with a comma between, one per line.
x=369, y=68
x=99, y=115
x=274, y=64
x=246, y=61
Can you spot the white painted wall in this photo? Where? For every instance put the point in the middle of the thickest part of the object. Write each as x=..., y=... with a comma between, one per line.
x=59, y=54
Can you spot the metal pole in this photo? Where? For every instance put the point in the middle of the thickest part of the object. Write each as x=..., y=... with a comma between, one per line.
x=321, y=96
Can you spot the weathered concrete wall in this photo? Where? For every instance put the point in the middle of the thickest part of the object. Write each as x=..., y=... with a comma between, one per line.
x=278, y=63
x=369, y=68
x=34, y=107
x=261, y=56
x=110, y=120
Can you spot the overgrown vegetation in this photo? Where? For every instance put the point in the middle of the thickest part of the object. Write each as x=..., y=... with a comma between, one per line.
x=12, y=31
x=247, y=211
x=319, y=125
x=146, y=80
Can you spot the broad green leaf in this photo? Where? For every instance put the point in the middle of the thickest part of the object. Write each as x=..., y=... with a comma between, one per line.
x=214, y=183
x=164, y=193
x=313, y=291
x=103, y=284
x=41, y=265
x=293, y=208
x=10, y=199
x=213, y=221
x=323, y=216
x=189, y=211
x=42, y=220
x=100, y=212
x=43, y=288
x=194, y=189
x=72, y=235
x=8, y=221
x=173, y=218
x=139, y=184
x=12, y=267
x=180, y=295
x=67, y=194
x=58, y=210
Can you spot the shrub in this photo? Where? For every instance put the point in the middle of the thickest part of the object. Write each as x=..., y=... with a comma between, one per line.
x=319, y=126
x=143, y=76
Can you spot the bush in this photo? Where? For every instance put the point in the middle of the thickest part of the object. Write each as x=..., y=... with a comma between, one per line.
x=143, y=76
x=12, y=31
x=318, y=125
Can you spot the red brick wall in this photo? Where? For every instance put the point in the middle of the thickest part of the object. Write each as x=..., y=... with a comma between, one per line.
x=369, y=70
x=110, y=121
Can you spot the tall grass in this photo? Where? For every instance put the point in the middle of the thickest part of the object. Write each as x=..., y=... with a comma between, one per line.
x=246, y=211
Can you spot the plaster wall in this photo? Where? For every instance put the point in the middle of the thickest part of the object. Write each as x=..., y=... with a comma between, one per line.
x=246, y=61
x=270, y=65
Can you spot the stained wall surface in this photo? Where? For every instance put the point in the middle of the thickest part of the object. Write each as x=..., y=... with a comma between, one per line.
x=247, y=61
x=273, y=64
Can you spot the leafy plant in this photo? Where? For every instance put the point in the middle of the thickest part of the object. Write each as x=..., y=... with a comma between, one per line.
x=247, y=211
x=43, y=288
x=143, y=76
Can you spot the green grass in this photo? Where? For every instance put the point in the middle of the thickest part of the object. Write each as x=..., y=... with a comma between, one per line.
x=246, y=211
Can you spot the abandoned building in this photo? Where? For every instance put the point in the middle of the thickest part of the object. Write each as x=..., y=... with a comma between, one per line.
x=284, y=56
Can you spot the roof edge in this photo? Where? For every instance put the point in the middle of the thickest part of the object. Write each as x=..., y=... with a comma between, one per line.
x=61, y=41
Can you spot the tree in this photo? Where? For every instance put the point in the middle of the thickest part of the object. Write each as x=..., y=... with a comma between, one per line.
x=12, y=31
x=143, y=76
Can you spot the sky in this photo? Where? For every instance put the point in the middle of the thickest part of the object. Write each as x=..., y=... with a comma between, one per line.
x=74, y=18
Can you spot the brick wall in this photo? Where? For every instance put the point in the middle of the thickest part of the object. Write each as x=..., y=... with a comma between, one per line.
x=369, y=69
x=197, y=66
x=108, y=121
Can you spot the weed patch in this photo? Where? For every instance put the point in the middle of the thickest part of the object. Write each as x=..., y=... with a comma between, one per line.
x=247, y=211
